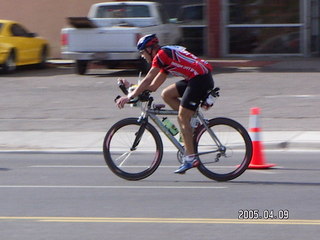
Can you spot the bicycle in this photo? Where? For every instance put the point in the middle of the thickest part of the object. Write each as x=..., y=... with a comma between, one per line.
x=133, y=148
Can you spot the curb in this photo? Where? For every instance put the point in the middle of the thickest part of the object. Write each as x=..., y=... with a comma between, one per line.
x=91, y=142
x=60, y=62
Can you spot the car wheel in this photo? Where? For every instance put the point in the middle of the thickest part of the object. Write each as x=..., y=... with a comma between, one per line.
x=43, y=57
x=9, y=65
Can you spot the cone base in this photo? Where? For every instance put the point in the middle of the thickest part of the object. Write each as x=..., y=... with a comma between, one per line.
x=260, y=166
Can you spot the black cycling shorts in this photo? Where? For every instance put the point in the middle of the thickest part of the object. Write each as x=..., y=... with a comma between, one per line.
x=194, y=90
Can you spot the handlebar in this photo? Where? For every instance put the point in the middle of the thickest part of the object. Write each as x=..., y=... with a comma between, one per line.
x=143, y=97
x=123, y=88
x=132, y=101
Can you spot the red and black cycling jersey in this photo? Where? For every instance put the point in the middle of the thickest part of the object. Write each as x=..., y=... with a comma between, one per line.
x=179, y=62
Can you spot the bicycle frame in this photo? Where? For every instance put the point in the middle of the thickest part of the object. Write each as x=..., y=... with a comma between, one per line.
x=147, y=112
x=152, y=113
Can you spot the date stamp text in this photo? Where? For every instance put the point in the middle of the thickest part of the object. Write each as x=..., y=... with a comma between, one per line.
x=255, y=214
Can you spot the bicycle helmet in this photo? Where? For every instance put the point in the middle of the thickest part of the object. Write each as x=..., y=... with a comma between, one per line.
x=147, y=41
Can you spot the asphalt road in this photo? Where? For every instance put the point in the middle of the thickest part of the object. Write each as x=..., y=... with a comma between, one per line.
x=75, y=196
x=55, y=99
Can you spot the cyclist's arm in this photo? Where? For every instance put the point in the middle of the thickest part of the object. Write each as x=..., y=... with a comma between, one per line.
x=151, y=82
x=146, y=83
x=157, y=81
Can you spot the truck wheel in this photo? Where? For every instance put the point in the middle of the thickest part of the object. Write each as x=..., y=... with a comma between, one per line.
x=112, y=64
x=81, y=66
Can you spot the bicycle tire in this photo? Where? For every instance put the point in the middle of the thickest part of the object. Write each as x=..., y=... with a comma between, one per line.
x=220, y=165
x=126, y=162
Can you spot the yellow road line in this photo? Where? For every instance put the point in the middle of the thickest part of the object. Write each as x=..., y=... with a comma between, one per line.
x=161, y=220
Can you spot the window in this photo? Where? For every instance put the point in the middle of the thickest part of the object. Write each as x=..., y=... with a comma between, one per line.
x=263, y=12
x=18, y=31
x=264, y=27
x=123, y=11
x=267, y=40
x=163, y=14
x=191, y=14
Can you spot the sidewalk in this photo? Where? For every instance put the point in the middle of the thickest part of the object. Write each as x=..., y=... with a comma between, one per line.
x=39, y=141
x=92, y=141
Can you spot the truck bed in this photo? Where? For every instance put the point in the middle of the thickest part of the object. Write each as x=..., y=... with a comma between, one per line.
x=120, y=39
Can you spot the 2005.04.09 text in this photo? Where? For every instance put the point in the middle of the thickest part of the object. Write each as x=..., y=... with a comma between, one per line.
x=265, y=214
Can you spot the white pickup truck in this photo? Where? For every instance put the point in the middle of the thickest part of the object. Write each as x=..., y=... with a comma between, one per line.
x=110, y=33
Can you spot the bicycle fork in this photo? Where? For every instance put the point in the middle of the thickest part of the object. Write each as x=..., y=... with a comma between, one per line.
x=139, y=133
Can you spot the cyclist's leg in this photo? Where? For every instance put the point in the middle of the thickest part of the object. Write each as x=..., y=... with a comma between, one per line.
x=189, y=103
x=197, y=87
x=171, y=94
x=184, y=118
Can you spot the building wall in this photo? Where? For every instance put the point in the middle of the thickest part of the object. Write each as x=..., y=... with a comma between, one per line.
x=214, y=28
x=45, y=17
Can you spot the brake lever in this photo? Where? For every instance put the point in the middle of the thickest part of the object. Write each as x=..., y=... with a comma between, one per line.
x=117, y=97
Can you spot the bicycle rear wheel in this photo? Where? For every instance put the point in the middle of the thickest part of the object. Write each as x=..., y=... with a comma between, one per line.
x=230, y=160
x=132, y=150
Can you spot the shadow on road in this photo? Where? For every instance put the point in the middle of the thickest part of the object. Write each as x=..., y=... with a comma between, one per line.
x=31, y=71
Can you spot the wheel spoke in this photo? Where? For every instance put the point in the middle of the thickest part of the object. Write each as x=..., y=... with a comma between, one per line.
x=123, y=157
x=229, y=161
x=143, y=160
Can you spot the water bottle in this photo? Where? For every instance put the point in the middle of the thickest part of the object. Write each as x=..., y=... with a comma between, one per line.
x=131, y=89
x=170, y=126
x=194, y=122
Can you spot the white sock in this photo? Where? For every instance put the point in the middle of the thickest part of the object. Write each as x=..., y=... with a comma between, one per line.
x=189, y=158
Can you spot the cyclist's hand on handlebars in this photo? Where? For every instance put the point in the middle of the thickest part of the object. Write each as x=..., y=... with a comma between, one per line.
x=122, y=101
x=125, y=82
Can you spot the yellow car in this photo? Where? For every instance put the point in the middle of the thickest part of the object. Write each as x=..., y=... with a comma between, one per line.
x=20, y=47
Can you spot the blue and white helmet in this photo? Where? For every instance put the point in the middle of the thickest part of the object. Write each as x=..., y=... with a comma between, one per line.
x=147, y=41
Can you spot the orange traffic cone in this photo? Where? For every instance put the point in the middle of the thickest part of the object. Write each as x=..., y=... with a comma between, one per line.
x=258, y=160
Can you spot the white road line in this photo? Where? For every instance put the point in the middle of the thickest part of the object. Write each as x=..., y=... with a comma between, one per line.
x=88, y=166
x=97, y=166
x=66, y=166
x=113, y=187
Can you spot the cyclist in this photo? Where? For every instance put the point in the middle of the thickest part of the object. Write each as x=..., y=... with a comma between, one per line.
x=175, y=60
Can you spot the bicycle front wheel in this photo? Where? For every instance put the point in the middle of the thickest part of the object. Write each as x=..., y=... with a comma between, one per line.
x=227, y=157
x=132, y=150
